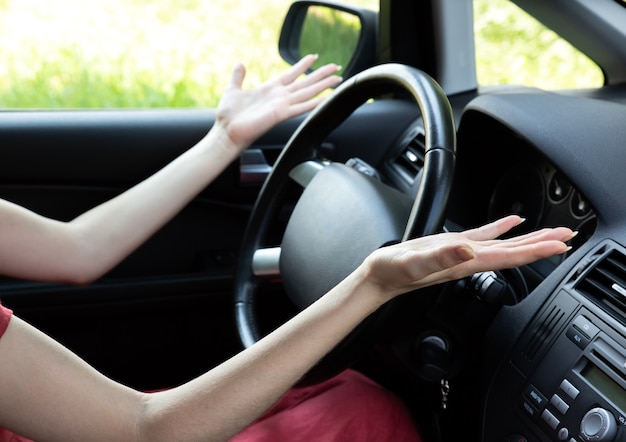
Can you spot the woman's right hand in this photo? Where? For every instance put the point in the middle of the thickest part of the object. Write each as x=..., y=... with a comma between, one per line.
x=245, y=114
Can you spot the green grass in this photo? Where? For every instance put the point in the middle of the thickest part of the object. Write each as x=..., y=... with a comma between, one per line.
x=179, y=53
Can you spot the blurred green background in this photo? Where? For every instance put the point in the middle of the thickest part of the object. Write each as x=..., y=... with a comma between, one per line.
x=179, y=53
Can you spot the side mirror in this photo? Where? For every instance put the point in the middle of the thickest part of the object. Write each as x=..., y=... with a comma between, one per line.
x=341, y=34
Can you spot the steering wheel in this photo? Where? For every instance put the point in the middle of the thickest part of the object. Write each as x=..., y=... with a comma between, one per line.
x=342, y=214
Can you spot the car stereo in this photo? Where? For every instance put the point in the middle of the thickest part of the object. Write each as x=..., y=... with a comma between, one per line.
x=567, y=373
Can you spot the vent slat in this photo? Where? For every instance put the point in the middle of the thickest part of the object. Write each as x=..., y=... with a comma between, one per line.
x=605, y=284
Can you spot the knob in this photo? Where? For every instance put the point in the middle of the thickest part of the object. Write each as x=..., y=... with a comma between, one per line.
x=598, y=425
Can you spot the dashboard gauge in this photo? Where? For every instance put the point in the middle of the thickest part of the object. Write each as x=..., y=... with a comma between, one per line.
x=520, y=192
x=579, y=206
x=558, y=188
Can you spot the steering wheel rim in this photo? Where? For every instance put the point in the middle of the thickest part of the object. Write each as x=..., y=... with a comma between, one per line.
x=427, y=211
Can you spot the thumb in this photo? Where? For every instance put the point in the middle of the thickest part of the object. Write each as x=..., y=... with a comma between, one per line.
x=464, y=253
x=440, y=259
x=236, y=79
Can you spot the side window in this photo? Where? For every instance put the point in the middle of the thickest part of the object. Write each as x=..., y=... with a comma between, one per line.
x=132, y=53
x=514, y=48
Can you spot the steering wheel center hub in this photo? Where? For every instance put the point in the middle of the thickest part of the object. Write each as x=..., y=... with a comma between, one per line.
x=342, y=216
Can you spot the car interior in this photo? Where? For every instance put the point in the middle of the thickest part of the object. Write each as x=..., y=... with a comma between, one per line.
x=408, y=145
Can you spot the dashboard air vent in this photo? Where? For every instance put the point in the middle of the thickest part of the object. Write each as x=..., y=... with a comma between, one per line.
x=605, y=284
x=410, y=160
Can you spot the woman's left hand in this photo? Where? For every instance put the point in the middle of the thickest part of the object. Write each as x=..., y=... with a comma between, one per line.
x=435, y=259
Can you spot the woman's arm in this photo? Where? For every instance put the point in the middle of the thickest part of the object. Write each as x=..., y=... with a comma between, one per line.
x=49, y=394
x=35, y=247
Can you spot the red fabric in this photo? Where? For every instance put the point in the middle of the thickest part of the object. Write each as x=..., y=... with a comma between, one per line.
x=8, y=436
x=5, y=317
x=347, y=408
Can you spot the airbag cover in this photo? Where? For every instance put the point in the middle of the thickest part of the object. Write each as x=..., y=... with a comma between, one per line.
x=342, y=216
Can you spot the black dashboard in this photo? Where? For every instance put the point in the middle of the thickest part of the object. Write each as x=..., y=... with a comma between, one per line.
x=557, y=360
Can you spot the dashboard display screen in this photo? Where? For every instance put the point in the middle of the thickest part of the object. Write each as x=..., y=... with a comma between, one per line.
x=605, y=385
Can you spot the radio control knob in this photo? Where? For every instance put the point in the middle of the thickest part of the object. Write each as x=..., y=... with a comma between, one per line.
x=598, y=425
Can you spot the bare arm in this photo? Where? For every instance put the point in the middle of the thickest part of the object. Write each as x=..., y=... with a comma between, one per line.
x=49, y=394
x=38, y=248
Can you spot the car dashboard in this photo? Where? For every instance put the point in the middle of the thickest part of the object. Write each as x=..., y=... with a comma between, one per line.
x=554, y=356
x=557, y=359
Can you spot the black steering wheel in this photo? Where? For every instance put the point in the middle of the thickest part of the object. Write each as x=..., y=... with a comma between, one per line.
x=342, y=214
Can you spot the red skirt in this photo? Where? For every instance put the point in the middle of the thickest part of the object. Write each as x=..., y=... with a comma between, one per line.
x=346, y=408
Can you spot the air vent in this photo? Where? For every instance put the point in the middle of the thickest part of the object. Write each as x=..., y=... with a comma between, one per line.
x=410, y=160
x=605, y=284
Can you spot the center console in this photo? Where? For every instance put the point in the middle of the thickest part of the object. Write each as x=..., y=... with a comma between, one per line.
x=565, y=379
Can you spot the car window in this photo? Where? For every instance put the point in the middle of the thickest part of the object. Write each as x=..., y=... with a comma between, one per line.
x=179, y=53
x=132, y=53
x=514, y=48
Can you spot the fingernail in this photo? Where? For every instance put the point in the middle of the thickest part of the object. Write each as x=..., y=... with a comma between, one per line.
x=338, y=67
x=574, y=233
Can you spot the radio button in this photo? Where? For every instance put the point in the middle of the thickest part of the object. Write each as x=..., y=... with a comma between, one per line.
x=559, y=404
x=577, y=337
x=586, y=326
x=535, y=397
x=531, y=411
x=550, y=419
x=567, y=387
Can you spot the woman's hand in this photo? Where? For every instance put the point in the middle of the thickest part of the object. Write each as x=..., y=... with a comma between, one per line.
x=247, y=114
x=445, y=257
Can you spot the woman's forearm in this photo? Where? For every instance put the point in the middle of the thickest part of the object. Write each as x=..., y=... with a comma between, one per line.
x=109, y=232
x=77, y=252
x=228, y=398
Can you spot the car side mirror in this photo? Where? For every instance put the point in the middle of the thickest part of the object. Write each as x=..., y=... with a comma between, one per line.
x=341, y=34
